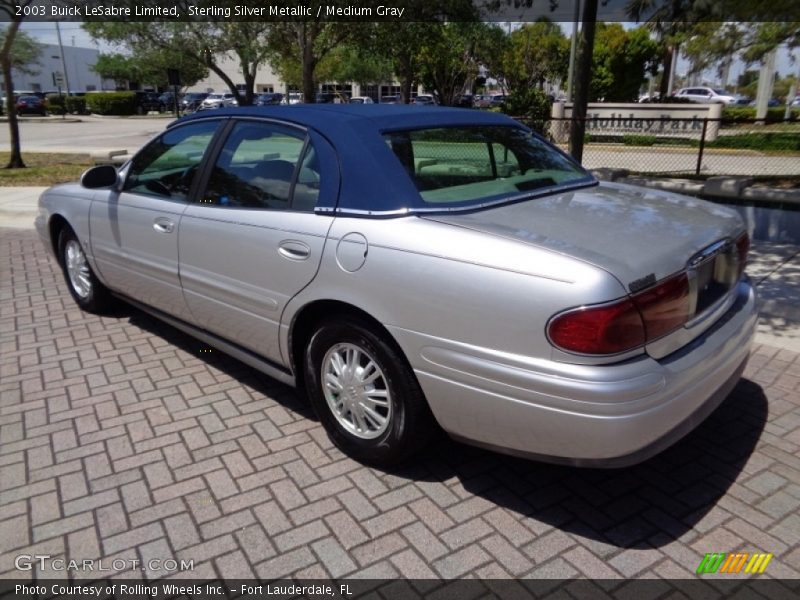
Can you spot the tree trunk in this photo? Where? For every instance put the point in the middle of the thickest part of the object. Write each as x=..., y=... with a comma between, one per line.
x=308, y=64
x=249, y=84
x=224, y=76
x=15, y=160
x=583, y=77
x=405, y=74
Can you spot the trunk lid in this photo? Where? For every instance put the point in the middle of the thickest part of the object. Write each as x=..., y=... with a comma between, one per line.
x=633, y=233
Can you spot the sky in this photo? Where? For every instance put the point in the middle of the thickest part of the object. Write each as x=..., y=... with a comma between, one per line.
x=73, y=35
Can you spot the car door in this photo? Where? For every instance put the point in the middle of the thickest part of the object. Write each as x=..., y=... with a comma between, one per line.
x=135, y=231
x=253, y=239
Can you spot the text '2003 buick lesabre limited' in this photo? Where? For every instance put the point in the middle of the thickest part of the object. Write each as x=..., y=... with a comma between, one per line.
x=412, y=266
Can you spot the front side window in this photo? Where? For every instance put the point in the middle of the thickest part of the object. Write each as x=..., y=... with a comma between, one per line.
x=256, y=169
x=464, y=166
x=166, y=167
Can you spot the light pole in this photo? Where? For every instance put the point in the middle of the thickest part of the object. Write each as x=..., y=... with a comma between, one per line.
x=63, y=61
x=572, y=48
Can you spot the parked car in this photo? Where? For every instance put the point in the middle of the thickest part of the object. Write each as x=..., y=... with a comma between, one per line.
x=705, y=95
x=294, y=98
x=31, y=105
x=648, y=98
x=361, y=100
x=425, y=100
x=465, y=101
x=330, y=98
x=771, y=103
x=192, y=100
x=147, y=102
x=166, y=101
x=489, y=100
x=455, y=268
x=213, y=101
x=268, y=99
x=395, y=99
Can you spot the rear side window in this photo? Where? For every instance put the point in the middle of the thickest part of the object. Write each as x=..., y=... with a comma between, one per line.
x=258, y=168
x=471, y=165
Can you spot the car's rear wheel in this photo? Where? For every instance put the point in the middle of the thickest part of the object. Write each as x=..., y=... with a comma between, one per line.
x=87, y=291
x=365, y=394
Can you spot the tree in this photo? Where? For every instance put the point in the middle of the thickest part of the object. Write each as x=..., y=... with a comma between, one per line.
x=537, y=52
x=349, y=63
x=150, y=67
x=449, y=59
x=296, y=49
x=201, y=43
x=399, y=43
x=17, y=51
x=620, y=61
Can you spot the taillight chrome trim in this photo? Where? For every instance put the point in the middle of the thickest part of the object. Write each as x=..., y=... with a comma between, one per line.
x=729, y=247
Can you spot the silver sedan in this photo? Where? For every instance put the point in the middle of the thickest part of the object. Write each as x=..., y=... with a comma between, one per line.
x=408, y=267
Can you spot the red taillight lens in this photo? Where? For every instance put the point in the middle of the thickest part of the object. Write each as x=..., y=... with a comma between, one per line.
x=742, y=248
x=627, y=324
x=664, y=307
x=605, y=329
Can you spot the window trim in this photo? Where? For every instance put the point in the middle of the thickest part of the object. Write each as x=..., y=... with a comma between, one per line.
x=587, y=179
x=201, y=166
x=224, y=134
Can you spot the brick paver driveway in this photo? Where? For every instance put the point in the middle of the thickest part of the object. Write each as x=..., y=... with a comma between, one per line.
x=123, y=438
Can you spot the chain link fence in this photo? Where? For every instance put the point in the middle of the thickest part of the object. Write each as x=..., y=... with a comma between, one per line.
x=676, y=147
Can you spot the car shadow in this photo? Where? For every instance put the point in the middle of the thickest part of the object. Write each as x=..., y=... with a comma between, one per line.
x=233, y=368
x=644, y=506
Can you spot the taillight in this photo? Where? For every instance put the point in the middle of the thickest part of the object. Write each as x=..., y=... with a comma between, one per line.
x=742, y=248
x=664, y=307
x=607, y=329
x=626, y=324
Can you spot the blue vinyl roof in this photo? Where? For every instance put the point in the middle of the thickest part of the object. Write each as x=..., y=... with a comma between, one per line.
x=371, y=178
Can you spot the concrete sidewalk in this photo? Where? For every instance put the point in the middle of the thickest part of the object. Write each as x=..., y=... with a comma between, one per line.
x=775, y=268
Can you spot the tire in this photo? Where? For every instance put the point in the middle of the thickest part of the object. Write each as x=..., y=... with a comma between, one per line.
x=84, y=287
x=397, y=421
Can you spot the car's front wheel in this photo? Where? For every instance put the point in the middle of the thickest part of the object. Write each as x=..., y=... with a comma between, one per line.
x=365, y=394
x=89, y=293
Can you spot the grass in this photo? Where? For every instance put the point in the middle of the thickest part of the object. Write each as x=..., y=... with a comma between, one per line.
x=44, y=169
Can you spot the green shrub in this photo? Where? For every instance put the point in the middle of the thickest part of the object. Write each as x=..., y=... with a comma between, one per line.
x=111, y=103
x=75, y=105
x=532, y=105
x=772, y=140
x=774, y=114
x=54, y=103
x=638, y=140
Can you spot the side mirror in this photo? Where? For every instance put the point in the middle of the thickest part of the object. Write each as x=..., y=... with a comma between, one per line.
x=101, y=176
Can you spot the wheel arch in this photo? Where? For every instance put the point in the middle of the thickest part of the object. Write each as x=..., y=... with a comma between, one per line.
x=56, y=225
x=309, y=316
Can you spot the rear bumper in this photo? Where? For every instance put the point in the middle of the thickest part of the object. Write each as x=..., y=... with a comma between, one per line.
x=609, y=415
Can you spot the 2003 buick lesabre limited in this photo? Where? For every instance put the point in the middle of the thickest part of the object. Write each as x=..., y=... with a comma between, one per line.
x=407, y=266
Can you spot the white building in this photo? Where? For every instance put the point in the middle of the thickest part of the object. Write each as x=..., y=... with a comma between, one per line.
x=79, y=62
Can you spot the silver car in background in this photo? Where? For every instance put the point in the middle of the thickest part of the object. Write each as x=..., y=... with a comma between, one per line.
x=409, y=266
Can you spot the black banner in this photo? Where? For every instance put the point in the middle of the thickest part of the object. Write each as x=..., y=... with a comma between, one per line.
x=358, y=589
x=394, y=10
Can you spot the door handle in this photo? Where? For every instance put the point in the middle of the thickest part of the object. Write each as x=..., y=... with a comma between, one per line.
x=163, y=225
x=293, y=250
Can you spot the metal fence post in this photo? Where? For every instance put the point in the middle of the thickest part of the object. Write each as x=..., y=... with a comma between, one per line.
x=702, y=147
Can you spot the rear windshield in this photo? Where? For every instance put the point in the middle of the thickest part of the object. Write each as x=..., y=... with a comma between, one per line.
x=462, y=166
